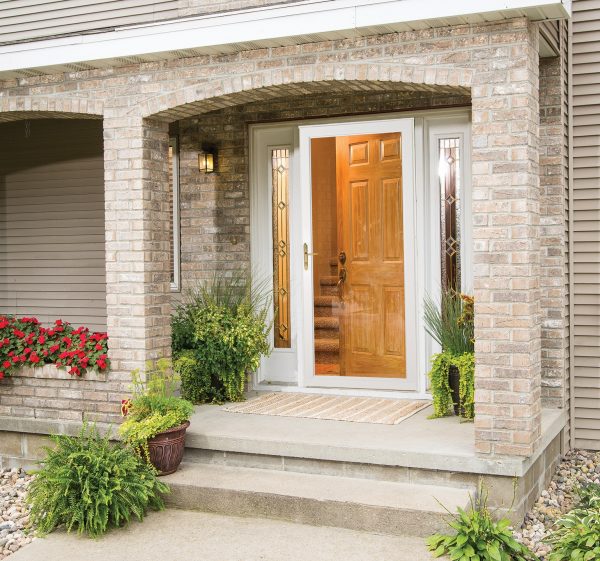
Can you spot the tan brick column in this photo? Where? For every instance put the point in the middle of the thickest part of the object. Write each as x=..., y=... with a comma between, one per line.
x=137, y=241
x=506, y=216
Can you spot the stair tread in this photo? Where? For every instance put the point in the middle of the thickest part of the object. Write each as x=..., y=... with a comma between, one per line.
x=327, y=322
x=393, y=495
x=330, y=345
x=329, y=280
x=325, y=301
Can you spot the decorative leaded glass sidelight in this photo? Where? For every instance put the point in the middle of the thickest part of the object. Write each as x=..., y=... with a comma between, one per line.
x=449, y=174
x=280, y=172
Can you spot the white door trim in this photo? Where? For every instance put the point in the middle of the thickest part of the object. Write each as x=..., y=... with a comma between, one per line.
x=427, y=252
x=405, y=126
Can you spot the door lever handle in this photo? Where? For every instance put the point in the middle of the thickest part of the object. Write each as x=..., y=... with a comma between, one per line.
x=306, y=254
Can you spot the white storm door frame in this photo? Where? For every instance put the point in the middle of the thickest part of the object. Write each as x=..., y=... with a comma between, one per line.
x=414, y=339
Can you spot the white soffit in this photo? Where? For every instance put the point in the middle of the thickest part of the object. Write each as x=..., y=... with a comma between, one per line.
x=307, y=21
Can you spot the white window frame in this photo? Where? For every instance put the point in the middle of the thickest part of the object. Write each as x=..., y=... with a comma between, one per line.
x=176, y=224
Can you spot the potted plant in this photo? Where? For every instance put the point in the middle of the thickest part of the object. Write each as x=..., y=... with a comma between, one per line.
x=220, y=333
x=452, y=373
x=155, y=418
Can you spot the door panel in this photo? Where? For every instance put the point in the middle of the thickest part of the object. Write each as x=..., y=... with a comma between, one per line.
x=371, y=304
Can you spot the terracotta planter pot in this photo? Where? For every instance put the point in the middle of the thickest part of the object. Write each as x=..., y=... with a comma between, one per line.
x=166, y=449
x=454, y=383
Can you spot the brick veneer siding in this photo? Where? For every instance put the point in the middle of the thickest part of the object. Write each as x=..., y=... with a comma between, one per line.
x=496, y=63
x=553, y=236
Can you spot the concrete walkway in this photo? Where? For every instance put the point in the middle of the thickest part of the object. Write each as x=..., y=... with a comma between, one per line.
x=177, y=535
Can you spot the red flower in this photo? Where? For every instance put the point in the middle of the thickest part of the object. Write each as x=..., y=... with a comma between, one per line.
x=15, y=359
x=54, y=348
x=125, y=406
x=75, y=370
x=26, y=350
x=1, y=375
x=98, y=347
x=41, y=339
x=101, y=364
x=34, y=358
x=6, y=364
x=67, y=341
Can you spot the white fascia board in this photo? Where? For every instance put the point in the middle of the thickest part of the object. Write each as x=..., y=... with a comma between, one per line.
x=302, y=19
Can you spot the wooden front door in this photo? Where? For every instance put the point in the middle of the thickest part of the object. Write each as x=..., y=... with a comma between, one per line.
x=371, y=256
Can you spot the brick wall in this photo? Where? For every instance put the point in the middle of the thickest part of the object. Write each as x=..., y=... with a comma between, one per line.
x=552, y=235
x=497, y=64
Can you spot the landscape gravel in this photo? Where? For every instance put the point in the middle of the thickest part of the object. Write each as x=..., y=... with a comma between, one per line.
x=577, y=468
x=14, y=515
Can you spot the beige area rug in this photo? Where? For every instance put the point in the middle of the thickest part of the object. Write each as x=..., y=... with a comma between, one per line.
x=331, y=407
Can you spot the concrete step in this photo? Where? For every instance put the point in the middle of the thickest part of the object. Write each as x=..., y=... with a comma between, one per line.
x=319, y=500
x=181, y=535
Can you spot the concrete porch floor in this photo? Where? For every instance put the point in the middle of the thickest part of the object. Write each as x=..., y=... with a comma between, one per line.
x=418, y=442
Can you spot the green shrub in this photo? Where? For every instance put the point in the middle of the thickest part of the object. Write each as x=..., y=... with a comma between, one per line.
x=576, y=536
x=479, y=538
x=154, y=407
x=219, y=334
x=89, y=484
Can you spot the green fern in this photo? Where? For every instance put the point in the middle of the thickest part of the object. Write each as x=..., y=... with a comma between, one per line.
x=89, y=484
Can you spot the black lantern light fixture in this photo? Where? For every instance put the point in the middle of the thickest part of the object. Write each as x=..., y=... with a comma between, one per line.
x=206, y=160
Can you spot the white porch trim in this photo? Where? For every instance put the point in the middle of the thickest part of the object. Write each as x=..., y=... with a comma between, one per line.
x=306, y=21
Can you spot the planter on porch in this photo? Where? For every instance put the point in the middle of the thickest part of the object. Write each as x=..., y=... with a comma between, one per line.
x=165, y=450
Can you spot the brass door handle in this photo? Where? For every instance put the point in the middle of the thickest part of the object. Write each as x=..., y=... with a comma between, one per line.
x=306, y=254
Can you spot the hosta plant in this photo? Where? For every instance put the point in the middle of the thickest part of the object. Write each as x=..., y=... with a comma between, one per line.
x=89, y=484
x=576, y=536
x=478, y=537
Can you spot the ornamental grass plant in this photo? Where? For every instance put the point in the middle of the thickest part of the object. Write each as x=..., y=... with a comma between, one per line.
x=89, y=484
x=451, y=324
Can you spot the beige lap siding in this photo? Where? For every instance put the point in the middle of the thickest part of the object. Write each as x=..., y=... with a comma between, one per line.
x=52, y=221
x=586, y=221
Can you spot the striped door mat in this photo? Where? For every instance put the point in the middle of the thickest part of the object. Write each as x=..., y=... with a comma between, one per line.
x=335, y=408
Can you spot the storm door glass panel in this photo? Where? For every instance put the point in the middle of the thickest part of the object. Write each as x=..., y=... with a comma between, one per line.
x=280, y=173
x=449, y=174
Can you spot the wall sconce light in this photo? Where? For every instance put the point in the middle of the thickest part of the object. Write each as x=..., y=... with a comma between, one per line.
x=206, y=161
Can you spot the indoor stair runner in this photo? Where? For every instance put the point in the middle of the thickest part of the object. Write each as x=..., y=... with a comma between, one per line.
x=327, y=325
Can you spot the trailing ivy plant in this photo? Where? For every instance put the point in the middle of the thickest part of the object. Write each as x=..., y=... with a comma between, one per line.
x=220, y=334
x=576, y=536
x=89, y=484
x=451, y=324
x=478, y=537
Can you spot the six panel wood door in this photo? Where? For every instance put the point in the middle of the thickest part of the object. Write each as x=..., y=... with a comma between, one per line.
x=370, y=234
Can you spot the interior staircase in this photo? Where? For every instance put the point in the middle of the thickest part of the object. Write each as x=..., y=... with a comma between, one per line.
x=327, y=324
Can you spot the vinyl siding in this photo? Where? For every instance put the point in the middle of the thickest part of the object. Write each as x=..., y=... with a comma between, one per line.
x=586, y=221
x=22, y=20
x=52, y=261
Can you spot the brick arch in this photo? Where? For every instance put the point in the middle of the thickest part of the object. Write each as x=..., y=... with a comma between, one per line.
x=17, y=108
x=267, y=84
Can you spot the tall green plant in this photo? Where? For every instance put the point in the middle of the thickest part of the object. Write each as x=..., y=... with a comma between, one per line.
x=89, y=484
x=220, y=331
x=450, y=321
